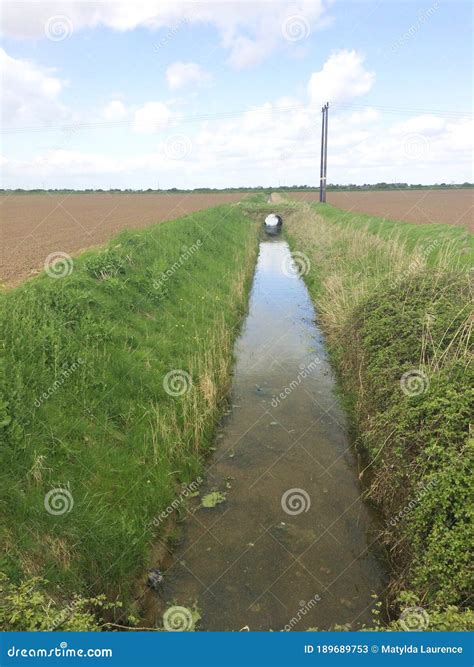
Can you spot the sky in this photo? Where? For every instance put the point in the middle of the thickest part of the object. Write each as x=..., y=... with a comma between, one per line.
x=163, y=93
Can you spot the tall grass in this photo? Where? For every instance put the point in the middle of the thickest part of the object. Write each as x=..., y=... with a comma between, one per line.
x=395, y=301
x=86, y=405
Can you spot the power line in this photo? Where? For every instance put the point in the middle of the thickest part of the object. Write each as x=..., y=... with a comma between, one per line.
x=402, y=110
x=193, y=118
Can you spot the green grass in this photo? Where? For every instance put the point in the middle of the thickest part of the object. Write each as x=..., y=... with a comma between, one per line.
x=394, y=298
x=83, y=405
x=83, y=402
x=437, y=236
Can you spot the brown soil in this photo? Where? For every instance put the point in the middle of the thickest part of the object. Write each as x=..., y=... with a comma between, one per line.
x=33, y=226
x=453, y=207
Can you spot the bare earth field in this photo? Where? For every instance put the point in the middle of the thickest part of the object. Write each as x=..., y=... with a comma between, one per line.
x=454, y=207
x=33, y=226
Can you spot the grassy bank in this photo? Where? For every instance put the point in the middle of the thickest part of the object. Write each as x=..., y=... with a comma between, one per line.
x=114, y=378
x=394, y=300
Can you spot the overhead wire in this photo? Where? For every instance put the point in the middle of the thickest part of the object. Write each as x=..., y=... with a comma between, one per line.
x=452, y=114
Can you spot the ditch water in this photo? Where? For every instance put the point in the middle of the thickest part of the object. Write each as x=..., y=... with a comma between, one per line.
x=293, y=544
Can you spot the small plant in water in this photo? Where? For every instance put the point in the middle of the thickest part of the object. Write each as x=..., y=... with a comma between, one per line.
x=212, y=499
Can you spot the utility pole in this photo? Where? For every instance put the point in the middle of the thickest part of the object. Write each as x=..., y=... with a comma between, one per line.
x=324, y=153
x=326, y=150
x=321, y=170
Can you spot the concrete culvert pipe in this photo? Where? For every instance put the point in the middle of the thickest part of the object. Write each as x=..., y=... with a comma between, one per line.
x=273, y=220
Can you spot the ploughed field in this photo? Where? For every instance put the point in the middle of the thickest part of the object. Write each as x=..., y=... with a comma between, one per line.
x=33, y=226
x=454, y=207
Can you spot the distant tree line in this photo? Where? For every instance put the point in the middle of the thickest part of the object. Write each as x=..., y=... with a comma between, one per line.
x=259, y=188
x=400, y=186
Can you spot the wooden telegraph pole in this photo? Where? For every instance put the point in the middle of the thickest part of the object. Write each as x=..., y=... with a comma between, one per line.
x=326, y=149
x=324, y=153
x=321, y=170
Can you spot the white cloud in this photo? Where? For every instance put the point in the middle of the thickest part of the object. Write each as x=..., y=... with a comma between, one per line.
x=277, y=141
x=115, y=111
x=342, y=78
x=29, y=19
x=151, y=117
x=183, y=75
x=459, y=136
x=426, y=124
x=250, y=31
x=30, y=93
x=75, y=163
x=367, y=115
x=246, y=52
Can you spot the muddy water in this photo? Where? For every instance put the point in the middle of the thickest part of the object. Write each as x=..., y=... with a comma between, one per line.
x=291, y=545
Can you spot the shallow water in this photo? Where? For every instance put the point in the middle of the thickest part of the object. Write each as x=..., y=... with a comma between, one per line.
x=293, y=543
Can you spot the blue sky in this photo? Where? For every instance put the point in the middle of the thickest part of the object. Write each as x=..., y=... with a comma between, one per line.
x=187, y=94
